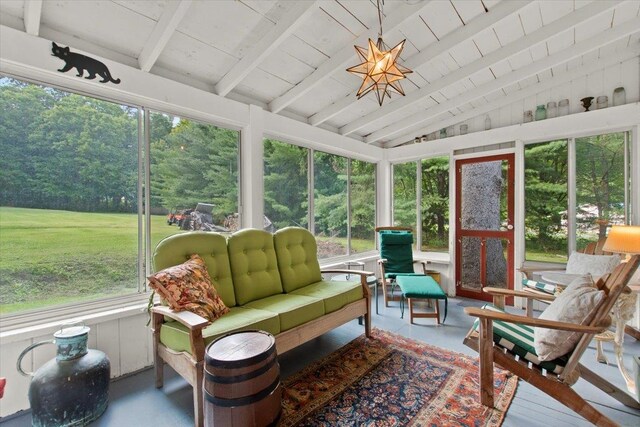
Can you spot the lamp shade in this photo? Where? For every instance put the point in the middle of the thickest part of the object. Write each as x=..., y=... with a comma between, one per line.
x=623, y=239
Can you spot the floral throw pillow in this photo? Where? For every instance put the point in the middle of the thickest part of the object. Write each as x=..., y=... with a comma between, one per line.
x=188, y=287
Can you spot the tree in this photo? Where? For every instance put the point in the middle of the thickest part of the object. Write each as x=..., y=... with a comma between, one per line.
x=196, y=163
x=546, y=194
x=435, y=202
x=285, y=184
x=330, y=193
x=64, y=151
x=404, y=195
x=600, y=178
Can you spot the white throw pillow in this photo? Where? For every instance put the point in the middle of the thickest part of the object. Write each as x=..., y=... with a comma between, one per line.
x=596, y=265
x=576, y=304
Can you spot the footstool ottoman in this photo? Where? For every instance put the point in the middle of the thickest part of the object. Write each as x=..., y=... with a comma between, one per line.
x=421, y=287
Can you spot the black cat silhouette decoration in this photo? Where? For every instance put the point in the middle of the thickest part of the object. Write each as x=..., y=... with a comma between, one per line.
x=82, y=63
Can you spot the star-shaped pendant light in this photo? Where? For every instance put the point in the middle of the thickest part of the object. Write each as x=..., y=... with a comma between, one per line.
x=380, y=70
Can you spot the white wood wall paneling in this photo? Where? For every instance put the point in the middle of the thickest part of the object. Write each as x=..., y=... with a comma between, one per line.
x=298, y=13
x=528, y=95
x=464, y=72
x=431, y=52
x=173, y=14
x=133, y=339
x=342, y=58
x=126, y=341
x=605, y=120
x=279, y=127
x=137, y=87
x=15, y=393
x=414, y=121
x=32, y=15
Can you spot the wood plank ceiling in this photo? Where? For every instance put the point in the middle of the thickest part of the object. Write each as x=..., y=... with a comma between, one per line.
x=289, y=57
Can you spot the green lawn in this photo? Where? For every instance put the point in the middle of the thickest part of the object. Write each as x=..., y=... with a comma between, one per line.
x=51, y=257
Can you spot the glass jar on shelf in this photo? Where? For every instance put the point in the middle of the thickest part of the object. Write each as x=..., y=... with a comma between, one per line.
x=541, y=112
x=552, y=109
x=602, y=102
x=527, y=116
x=563, y=107
x=619, y=96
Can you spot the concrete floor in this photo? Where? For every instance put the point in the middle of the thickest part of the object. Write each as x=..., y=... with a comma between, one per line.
x=135, y=401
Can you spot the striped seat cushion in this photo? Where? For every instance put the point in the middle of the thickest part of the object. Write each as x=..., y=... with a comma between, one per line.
x=539, y=286
x=518, y=339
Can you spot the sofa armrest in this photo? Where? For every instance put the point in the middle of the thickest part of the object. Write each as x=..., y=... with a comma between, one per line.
x=345, y=271
x=191, y=320
x=187, y=318
x=363, y=278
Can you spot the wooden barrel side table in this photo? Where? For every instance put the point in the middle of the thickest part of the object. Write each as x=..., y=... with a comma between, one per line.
x=242, y=381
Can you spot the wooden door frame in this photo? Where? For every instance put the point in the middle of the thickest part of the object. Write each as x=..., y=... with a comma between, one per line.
x=508, y=234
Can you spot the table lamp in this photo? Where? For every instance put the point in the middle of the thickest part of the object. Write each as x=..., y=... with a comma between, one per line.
x=624, y=239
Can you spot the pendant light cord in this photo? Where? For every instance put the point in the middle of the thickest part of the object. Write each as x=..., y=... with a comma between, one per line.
x=380, y=16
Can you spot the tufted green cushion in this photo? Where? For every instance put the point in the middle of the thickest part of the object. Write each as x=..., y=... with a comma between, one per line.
x=335, y=295
x=212, y=248
x=396, y=248
x=293, y=310
x=176, y=336
x=254, y=267
x=297, y=254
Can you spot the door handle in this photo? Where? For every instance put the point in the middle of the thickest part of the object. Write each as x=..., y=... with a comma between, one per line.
x=509, y=227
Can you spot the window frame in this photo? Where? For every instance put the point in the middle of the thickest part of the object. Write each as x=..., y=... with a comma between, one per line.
x=572, y=184
x=311, y=196
x=139, y=296
x=418, y=218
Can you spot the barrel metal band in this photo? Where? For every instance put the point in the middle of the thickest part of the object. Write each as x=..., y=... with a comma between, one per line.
x=239, y=378
x=242, y=401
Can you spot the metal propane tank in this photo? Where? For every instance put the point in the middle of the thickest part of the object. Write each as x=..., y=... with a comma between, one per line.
x=73, y=388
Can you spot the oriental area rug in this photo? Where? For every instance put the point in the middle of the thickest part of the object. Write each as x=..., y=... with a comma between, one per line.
x=392, y=381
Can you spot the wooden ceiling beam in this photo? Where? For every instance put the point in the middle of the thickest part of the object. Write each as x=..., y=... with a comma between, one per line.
x=486, y=20
x=344, y=57
x=32, y=15
x=166, y=25
x=558, y=26
x=415, y=120
x=298, y=13
x=512, y=97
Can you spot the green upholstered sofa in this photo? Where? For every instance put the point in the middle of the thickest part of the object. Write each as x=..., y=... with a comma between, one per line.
x=270, y=282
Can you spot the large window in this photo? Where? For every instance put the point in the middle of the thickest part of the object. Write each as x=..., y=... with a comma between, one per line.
x=404, y=195
x=71, y=224
x=194, y=177
x=546, y=201
x=600, y=185
x=286, y=184
x=433, y=196
x=362, y=193
x=601, y=197
x=344, y=199
x=68, y=197
x=330, y=204
x=435, y=204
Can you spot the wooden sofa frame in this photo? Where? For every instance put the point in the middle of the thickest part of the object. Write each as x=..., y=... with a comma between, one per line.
x=190, y=366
